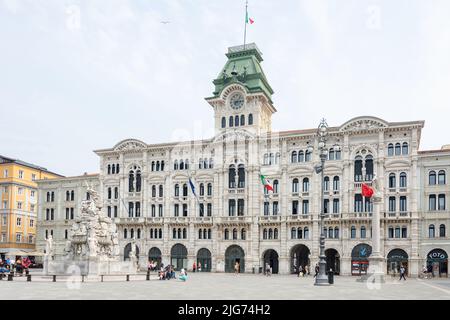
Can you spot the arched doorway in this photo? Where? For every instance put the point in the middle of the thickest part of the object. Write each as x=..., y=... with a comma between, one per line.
x=204, y=260
x=178, y=256
x=395, y=259
x=271, y=257
x=360, y=259
x=154, y=254
x=127, y=250
x=437, y=263
x=234, y=254
x=299, y=256
x=333, y=261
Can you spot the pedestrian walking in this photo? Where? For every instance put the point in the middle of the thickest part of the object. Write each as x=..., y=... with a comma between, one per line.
x=268, y=273
x=199, y=268
x=402, y=273
x=316, y=270
x=194, y=266
x=236, y=268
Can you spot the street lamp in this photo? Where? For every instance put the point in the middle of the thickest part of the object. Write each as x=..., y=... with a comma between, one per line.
x=322, y=133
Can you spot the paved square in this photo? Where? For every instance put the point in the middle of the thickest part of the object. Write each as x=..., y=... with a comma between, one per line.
x=224, y=286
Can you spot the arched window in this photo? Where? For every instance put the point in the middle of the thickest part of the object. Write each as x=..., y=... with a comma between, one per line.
x=266, y=159
x=184, y=233
x=153, y=210
x=265, y=234
x=293, y=233
x=125, y=233
x=109, y=169
x=232, y=176
x=109, y=193
x=432, y=178
x=138, y=181
x=181, y=165
x=236, y=121
x=243, y=234
x=224, y=122
x=153, y=165
x=161, y=190
x=369, y=168
x=132, y=233
x=151, y=234
x=175, y=165
x=72, y=195
x=177, y=190
x=235, y=234
x=200, y=163
x=275, y=186
x=205, y=234
x=179, y=233
x=186, y=165
x=305, y=185
x=301, y=156
x=153, y=191
x=131, y=181
x=113, y=169
x=117, y=168
x=202, y=189
x=157, y=165
x=403, y=180
x=398, y=149
x=209, y=233
x=241, y=176
x=331, y=154
x=353, y=232
x=185, y=190
x=336, y=186
x=209, y=189
x=431, y=231
x=306, y=233
x=174, y=233
x=338, y=154
x=392, y=180
x=307, y=156
x=230, y=121
x=358, y=169
x=242, y=120
x=211, y=163
x=295, y=185
x=441, y=177
x=250, y=119
x=277, y=158
x=205, y=163
x=138, y=233
x=336, y=233
x=67, y=195
x=363, y=232
x=326, y=183
x=390, y=149
x=271, y=159
x=442, y=230
x=162, y=165
x=227, y=236
x=270, y=233
x=330, y=233
x=405, y=148
x=294, y=156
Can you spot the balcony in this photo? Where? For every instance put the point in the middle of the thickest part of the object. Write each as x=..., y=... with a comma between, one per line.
x=396, y=215
x=203, y=219
x=299, y=217
x=236, y=219
x=360, y=215
x=269, y=218
x=154, y=220
x=177, y=219
x=358, y=185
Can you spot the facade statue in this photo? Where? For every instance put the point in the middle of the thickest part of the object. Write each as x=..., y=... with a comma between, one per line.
x=49, y=246
x=377, y=196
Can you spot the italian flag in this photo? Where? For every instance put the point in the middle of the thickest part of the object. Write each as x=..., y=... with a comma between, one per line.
x=266, y=183
x=248, y=20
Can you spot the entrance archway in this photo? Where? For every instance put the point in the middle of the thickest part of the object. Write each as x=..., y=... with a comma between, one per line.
x=360, y=258
x=178, y=257
x=234, y=254
x=270, y=257
x=204, y=260
x=395, y=259
x=437, y=263
x=299, y=256
x=333, y=261
x=127, y=250
x=154, y=254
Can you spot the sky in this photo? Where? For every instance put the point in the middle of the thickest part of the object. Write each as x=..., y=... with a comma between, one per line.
x=76, y=76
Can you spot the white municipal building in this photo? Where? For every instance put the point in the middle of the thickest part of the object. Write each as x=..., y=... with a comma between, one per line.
x=145, y=189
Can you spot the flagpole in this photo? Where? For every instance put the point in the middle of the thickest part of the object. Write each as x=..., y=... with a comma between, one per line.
x=245, y=22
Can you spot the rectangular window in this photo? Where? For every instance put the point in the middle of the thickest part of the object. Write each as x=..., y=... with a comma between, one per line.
x=33, y=177
x=391, y=233
x=335, y=205
x=18, y=237
x=441, y=202
x=32, y=193
x=31, y=223
x=185, y=210
x=19, y=190
x=240, y=207
x=3, y=237
x=266, y=208
x=176, y=210
x=201, y=209
x=5, y=205
x=326, y=206
x=19, y=205
x=275, y=208
x=32, y=207
x=231, y=207
x=358, y=203
x=115, y=211
x=67, y=213
x=72, y=213
x=5, y=173
x=30, y=239
x=404, y=232
x=305, y=205
x=20, y=174
x=295, y=207
x=19, y=222
x=160, y=210
x=392, y=204
x=209, y=209
x=5, y=189
x=403, y=204
x=5, y=219
x=397, y=232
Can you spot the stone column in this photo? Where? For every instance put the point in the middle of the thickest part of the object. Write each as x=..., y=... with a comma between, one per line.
x=376, y=260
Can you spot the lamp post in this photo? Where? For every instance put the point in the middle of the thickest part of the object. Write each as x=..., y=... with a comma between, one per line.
x=322, y=133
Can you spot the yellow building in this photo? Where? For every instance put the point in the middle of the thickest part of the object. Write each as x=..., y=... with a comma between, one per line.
x=18, y=205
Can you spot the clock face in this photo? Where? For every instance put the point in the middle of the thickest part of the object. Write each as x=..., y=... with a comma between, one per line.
x=237, y=101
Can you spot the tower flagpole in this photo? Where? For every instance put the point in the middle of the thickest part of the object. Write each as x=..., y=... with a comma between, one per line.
x=245, y=22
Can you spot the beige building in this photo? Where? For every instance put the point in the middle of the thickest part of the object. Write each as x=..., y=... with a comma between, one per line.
x=203, y=201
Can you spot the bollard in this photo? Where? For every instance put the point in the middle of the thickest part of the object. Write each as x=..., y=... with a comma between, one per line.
x=27, y=272
x=28, y=277
x=128, y=277
x=101, y=278
x=148, y=276
x=10, y=277
x=82, y=278
x=54, y=278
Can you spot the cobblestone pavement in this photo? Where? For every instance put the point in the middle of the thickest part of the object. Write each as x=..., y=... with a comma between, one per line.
x=222, y=286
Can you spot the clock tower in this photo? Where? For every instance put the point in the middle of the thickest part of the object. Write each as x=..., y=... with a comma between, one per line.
x=242, y=98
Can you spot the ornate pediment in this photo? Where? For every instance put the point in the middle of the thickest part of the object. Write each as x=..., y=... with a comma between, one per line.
x=363, y=123
x=130, y=144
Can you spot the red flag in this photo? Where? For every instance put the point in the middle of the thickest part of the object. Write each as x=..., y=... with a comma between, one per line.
x=367, y=191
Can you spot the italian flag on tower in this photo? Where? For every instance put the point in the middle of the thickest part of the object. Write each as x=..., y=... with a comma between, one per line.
x=266, y=183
